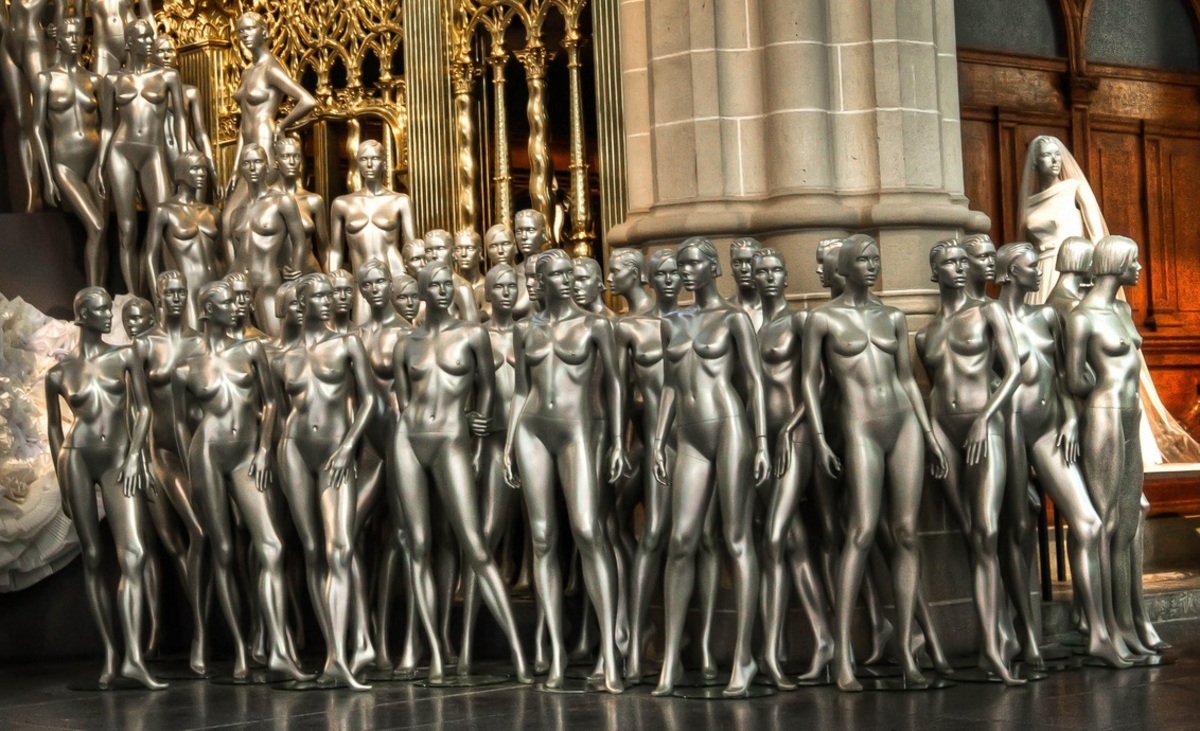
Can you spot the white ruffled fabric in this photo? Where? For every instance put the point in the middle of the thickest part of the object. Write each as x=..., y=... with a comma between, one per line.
x=36, y=537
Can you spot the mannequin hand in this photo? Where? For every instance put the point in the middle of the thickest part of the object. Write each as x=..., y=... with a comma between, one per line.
x=290, y=274
x=50, y=193
x=762, y=462
x=660, y=465
x=339, y=465
x=148, y=471
x=479, y=424
x=260, y=469
x=66, y=504
x=1035, y=500
x=1068, y=439
x=218, y=189
x=783, y=452
x=130, y=476
x=510, y=468
x=616, y=463
x=977, y=441
x=940, y=467
x=51, y=32
x=827, y=459
x=96, y=182
x=230, y=186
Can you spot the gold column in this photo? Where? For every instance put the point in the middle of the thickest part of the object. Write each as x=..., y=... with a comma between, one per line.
x=462, y=74
x=581, y=204
x=432, y=178
x=502, y=180
x=534, y=58
x=202, y=64
x=610, y=129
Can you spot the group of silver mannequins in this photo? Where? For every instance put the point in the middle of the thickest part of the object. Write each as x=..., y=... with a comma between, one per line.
x=718, y=418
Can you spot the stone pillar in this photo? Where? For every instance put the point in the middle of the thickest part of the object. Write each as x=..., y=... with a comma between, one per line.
x=792, y=121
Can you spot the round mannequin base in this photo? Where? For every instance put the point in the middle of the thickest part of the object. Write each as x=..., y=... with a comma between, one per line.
x=896, y=684
x=1055, y=651
x=180, y=671
x=1145, y=661
x=462, y=681
x=579, y=672
x=305, y=686
x=711, y=693
x=978, y=675
x=92, y=685
x=259, y=676
x=697, y=679
x=405, y=675
x=570, y=686
x=1063, y=665
x=868, y=672
x=380, y=675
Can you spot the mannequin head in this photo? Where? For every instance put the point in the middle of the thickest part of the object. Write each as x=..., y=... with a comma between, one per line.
x=467, y=245
x=1117, y=256
x=664, y=274
x=859, y=262
x=589, y=281
x=500, y=288
x=626, y=270
x=741, y=261
x=770, y=273
x=137, y=315
x=406, y=297
x=172, y=291
x=948, y=263
x=1017, y=264
x=529, y=226
x=500, y=245
x=981, y=257
x=699, y=265
x=375, y=282
x=556, y=276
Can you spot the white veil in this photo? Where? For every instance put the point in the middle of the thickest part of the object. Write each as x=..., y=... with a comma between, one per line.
x=1030, y=186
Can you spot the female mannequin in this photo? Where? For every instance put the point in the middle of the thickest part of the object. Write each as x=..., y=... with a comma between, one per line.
x=439, y=247
x=160, y=350
x=496, y=504
x=328, y=383
x=858, y=344
x=1043, y=418
x=134, y=104
x=502, y=249
x=242, y=298
x=265, y=240
x=66, y=136
x=556, y=358
x=444, y=378
x=23, y=57
x=164, y=56
x=741, y=262
x=182, y=234
x=981, y=264
x=289, y=160
x=467, y=257
x=105, y=388
x=959, y=349
x=229, y=459
x=372, y=222
x=344, y=293
x=529, y=228
x=1102, y=367
x=779, y=341
x=1074, y=267
x=405, y=297
x=706, y=346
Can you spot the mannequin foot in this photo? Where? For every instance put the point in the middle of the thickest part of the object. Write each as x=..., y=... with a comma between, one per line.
x=740, y=679
x=914, y=677
x=1149, y=637
x=196, y=660
x=340, y=673
x=109, y=673
x=821, y=658
x=241, y=670
x=633, y=667
x=708, y=664
x=1001, y=669
x=666, y=679
x=286, y=666
x=1109, y=654
x=777, y=676
x=879, y=639
x=1033, y=658
x=524, y=677
x=846, y=682
x=139, y=673
x=1134, y=643
x=364, y=656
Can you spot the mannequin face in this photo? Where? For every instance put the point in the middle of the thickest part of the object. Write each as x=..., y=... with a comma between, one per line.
x=695, y=269
x=981, y=260
x=533, y=283
x=466, y=253
x=173, y=296
x=439, y=292
x=137, y=320
x=196, y=176
x=665, y=279
x=741, y=262
x=289, y=160
x=343, y=295
x=1049, y=159
x=950, y=268
x=770, y=276
x=587, y=286
x=375, y=287
x=437, y=249
x=249, y=32
x=500, y=251
x=370, y=162
x=503, y=292
x=415, y=258
x=623, y=276
x=1024, y=272
x=318, y=305
x=557, y=278
x=70, y=38
x=253, y=165
x=529, y=233
x=141, y=41
x=164, y=52
x=1131, y=273
x=830, y=279
x=241, y=296
x=222, y=309
x=864, y=270
x=407, y=300
x=293, y=314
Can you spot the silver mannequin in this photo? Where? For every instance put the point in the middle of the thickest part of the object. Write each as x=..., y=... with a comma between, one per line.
x=134, y=104
x=959, y=348
x=439, y=247
x=557, y=429
x=329, y=385
x=639, y=340
x=164, y=56
x=1102, y=367
x=289, y=161
x=588, y=287
x=371, y=222
x=344, y=293
x=182, y=233
x=242, y=298
x=23, y=57
x=444, y=384
x=406, y=298
x=265, y=238
x=468, y=254
x=860, y=345
x=1043, y=418
x=741, y=263
x=981, y=264
x=497, y=506
x=111, y=20
x=229, y=460
x=1074, y=266
x=160, y=349
x=105, y=389
x=786, y=540
x=529, y=228
x=709, y=348
x=501, y=246
x=66, y=137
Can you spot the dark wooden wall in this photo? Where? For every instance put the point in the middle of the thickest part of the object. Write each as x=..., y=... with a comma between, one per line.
x=1136, y=133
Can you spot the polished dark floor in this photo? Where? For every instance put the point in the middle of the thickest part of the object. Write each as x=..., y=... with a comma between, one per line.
x=1168, y=697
